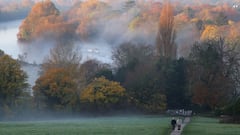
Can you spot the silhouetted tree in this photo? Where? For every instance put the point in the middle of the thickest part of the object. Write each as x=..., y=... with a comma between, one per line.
x=137, y=72
x=173, y=75
x=214, y=73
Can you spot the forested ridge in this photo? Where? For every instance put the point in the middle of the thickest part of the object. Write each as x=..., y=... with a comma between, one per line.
x=166, y=56
x=136, y=21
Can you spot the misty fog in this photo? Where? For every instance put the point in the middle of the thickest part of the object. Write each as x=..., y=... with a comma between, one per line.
x=36, y=52
x=114, y=31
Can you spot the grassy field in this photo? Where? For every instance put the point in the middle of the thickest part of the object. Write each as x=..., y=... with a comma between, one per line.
x=210, y=126
x=134, y=125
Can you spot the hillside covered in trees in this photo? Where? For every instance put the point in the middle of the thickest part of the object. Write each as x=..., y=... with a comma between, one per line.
x=116, y=22
x=166, y=55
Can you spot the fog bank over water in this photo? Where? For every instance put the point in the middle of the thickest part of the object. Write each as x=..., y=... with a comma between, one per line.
x=36, y=52
x=98, y=50
x=9, y=44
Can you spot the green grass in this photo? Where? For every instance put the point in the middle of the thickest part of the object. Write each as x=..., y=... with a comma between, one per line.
x=138, y=125
x=210, y=126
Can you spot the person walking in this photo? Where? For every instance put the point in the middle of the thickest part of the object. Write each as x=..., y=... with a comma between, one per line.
x=173, y=123
x=179, y=123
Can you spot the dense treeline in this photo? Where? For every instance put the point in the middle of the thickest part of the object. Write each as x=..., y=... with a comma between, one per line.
x=207, y=80
x=148, y=77
x=118, y=22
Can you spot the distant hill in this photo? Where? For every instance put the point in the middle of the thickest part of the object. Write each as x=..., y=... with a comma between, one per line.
x=116, y=22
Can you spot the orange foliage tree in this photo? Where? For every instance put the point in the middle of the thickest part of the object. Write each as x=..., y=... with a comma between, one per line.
x=166, y=33
x=58, y=86
x=87, y=15
x=58, y=89
x=211, y=32
x=44, y=20
x=148, y=14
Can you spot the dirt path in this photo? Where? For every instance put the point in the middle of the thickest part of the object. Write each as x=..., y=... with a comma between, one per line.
x=178, y=132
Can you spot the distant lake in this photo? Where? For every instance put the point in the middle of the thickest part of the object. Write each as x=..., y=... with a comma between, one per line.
x=8, y=38
x=9, y=43
x=37, y=51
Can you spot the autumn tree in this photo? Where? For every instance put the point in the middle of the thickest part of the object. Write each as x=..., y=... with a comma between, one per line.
x=103, y=95
x=58, y=86
x=211, y=32
x=165, y=41
x=13, y=83
x=87, y=15
x=58, y=90
x=44, y=20
x=233, y=34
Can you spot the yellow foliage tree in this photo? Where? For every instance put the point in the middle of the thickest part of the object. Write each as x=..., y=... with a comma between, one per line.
x=233, y=34
x=102, y=94
x=211, y=32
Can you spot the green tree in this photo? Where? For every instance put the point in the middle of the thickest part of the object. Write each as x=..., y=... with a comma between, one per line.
x=137, y=73
x=144, y=89
x=128, y=56
x=233, y=109
x=13, y=83
x=102, y=95
x=89, y=70
x=173, y=76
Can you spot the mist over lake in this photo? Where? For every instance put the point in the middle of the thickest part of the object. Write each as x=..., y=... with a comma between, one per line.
x=37, y=51
x=8, y=42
